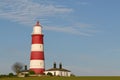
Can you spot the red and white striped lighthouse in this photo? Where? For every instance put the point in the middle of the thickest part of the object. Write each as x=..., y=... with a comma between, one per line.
x=37, y=50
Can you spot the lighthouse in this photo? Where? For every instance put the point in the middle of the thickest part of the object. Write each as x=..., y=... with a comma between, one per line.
x=37, y=50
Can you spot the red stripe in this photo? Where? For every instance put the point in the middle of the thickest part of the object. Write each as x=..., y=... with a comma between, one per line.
x=37, y=38
x=37, y=55
x=38, y=70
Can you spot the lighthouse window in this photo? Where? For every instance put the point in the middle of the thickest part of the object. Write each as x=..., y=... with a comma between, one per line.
x=40, y=63
x=40, y=46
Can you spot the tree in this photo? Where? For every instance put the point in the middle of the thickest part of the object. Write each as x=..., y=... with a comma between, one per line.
x=17, y=67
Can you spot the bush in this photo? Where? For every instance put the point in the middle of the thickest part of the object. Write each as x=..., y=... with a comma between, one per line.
x=3, y=75
x=10, y=74
x=31, y=72
x=49, y=74
x=72, y=75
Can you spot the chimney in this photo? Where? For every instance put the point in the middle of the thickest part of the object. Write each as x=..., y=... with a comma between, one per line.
x=54, y=65
x=60, y=66
x=25, y=67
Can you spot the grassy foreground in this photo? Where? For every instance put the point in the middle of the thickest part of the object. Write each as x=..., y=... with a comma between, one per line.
x=64, y=78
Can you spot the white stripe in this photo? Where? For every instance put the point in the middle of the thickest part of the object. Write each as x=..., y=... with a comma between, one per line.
x=37, y=30
x=36, y=63
x=37, y=47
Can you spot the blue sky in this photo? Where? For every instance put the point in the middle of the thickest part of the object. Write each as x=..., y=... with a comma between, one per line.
x=82, y=34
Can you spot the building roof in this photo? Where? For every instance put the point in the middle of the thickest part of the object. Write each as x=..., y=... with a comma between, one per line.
x=25, y=71
x=58, y=69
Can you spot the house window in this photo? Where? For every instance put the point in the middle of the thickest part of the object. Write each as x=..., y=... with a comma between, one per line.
x=66, y=73
x=54, y=73
x=61, y=73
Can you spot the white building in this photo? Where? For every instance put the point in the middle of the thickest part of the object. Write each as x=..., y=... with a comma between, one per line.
x=24, y=73
x=58, y=71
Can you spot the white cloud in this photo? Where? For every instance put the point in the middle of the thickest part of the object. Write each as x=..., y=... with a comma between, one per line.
x=26, y=11
x=70, y=30
x=77, y=29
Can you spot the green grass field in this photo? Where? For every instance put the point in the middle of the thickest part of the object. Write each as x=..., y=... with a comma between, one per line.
x=63, y=78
